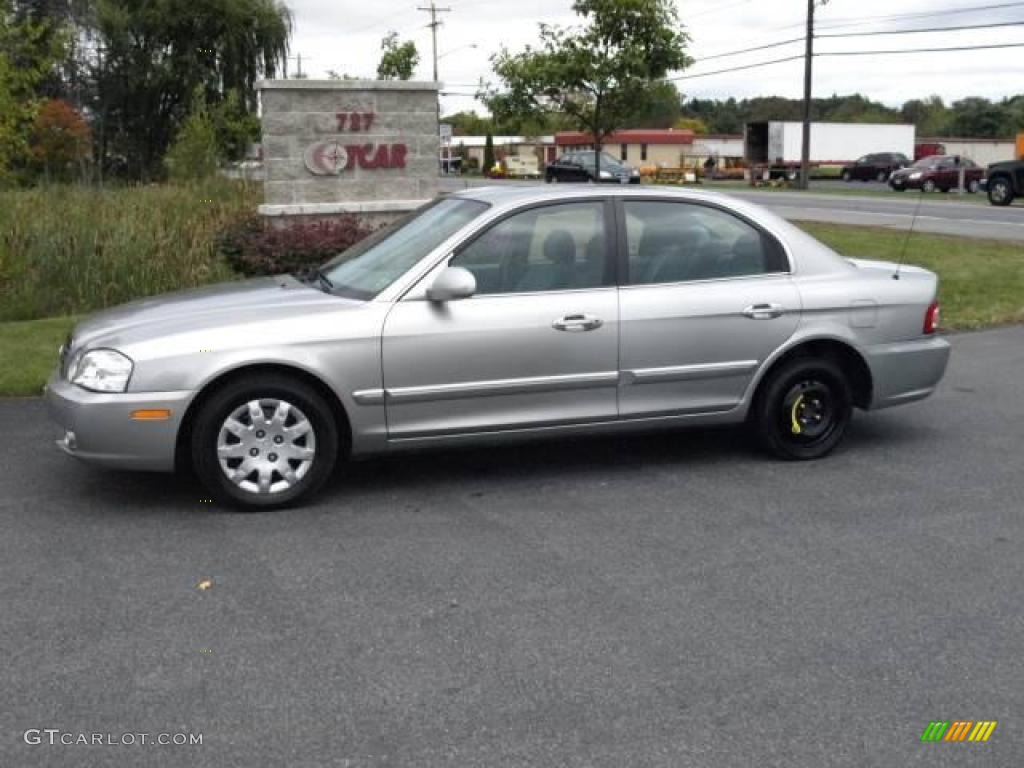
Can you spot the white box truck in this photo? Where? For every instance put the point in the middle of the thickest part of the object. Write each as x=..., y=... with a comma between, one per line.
x=777, y=145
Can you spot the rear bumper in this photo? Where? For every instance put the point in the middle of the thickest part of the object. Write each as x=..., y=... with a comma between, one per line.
x=907, y=370
x=98, y=428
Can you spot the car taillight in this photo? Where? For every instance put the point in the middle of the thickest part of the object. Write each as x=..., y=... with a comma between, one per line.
x=931, y=318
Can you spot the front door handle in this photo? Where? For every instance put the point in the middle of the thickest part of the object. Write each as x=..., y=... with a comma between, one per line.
x=764, y=311
x=576, y=323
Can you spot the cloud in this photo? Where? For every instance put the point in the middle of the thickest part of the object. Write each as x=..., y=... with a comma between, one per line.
x=345, y=36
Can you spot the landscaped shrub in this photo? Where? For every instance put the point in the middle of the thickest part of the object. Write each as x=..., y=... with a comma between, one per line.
x=256, y=247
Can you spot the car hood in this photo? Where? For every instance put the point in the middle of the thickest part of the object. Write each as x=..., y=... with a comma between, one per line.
x=207, y=307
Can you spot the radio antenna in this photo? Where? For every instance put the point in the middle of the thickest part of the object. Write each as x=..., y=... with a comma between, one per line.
x=906, y=240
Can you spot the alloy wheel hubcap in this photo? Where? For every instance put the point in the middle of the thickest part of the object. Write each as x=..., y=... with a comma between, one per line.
x=266, y=446
x=999, y=191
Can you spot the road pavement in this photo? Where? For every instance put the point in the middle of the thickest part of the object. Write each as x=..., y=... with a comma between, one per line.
x=676, y=600
x=935, y=212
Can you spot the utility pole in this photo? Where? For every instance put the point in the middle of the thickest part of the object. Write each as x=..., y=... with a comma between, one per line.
x=805, y=152
x=298, y=75
x=433, y=10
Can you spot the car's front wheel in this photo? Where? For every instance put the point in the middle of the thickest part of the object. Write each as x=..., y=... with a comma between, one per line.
x=264, y=442
x=929, y=185
x=803, y=409
x=846, y=176
x=999, y=191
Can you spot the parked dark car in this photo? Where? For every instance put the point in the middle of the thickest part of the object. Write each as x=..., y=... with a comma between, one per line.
x=940, y=172
x=1005, y=181
x=582, y=166
x=876, y=167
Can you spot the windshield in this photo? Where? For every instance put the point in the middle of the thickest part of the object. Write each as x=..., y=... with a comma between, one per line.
x=587, y=158
x=371, y=265
x=928, y=162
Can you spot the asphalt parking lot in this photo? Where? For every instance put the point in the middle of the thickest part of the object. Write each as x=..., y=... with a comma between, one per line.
x=653, y=601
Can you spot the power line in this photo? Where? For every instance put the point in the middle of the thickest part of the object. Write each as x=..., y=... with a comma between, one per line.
x=736, y=69
x=792, y=40
x=927, y=29
x=760, y=64
x=750, y=50
x=849, y=22
x=925, y=50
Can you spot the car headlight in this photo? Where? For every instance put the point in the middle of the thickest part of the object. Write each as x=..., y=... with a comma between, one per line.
x=915, y=176
x=101, y=370
x=606, y=174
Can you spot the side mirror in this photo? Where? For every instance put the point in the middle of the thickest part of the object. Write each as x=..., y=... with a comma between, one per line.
x=452, y=284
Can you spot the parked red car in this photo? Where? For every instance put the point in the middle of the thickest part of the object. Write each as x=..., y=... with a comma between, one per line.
x=940, y=172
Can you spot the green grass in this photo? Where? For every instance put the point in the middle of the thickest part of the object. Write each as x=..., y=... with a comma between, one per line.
x=981, y=282
x=28, y=353
x=69, y=249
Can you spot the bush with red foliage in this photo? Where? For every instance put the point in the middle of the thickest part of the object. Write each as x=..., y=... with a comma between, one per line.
x=61, y=138
x=254, y=247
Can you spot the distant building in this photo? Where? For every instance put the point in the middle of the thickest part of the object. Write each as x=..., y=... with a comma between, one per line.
x=668, y=148
x=473, y=146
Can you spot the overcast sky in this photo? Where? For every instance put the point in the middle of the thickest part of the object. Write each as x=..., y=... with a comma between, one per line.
x=344, y=35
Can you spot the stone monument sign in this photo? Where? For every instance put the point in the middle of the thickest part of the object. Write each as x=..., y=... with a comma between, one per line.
x=332, y=147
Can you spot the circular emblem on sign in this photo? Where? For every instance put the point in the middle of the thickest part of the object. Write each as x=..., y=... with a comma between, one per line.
x=326, y=158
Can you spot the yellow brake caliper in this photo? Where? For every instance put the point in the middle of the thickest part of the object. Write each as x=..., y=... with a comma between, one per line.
x=797, y=429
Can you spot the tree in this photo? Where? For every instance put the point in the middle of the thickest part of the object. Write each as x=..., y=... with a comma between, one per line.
x=399, y=60
x=661, y=108
x=234, y=126
x=488, y=153
x=156, y=53
x=29, y=53
x=694, y=124
x=598, y=74
x=930, y=117
x=193, y=156
x=980, y=118
x=61, y=139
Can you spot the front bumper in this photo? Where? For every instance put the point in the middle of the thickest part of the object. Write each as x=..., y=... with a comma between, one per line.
x=98, y=427
x=907, y=370
x=905, y=183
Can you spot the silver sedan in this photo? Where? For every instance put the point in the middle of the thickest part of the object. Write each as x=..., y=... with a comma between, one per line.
x=499, y=314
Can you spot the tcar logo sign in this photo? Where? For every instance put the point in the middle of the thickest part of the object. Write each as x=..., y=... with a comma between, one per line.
x=330, y=157
x=326, y=158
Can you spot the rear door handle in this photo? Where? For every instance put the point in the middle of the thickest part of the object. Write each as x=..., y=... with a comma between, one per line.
x=576, y=323
x=764, y=311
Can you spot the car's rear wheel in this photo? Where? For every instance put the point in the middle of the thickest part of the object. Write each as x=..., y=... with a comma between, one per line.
x=264, y=442
x=973, y=186
x=999, y=191
x=929, y=185
x=882, y=177
x=846, y=176
x=803, y=409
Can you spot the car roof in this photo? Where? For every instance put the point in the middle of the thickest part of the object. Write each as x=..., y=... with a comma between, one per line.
x=513, y=194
